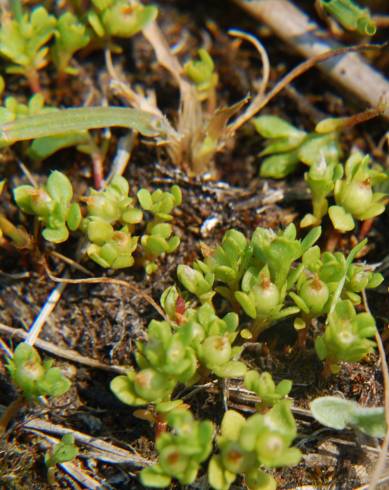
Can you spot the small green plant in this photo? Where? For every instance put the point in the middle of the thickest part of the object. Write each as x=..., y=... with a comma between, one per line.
x=321, y=178
x=70, y=36
x=247, y=445
x=354, y=194
x=288, y=146
x=52, y=205
x=23, y=40
x=346, y=336
x=350, y=15
x=118, y=18
x=158, y=239
x=35, y=377
x=109, y=221
x=62, y=452
x=175, y=353
x=339, y=414
x=254, y=275
x=266, y=389
x=181, y=451
x=202, y=73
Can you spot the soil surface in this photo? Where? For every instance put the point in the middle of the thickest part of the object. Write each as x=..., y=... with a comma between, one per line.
x=103, y=321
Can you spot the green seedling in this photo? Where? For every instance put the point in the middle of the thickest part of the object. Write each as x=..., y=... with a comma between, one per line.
x=254, y=275
x=359, y=277
x=35, y=377
x=23, y=42
x=2, y=85
x=110, y=221
x=62, y=452
x=173, y=354
x=247, y=445
x=180, y=452
x=338, y=413
x=354, y=194
x=158, y=239
x=52, y=205
x=350, y=15
x=265, y=388
x=118, y=18
x=288, y=146
x=167, y=358
x=70, y=37
x=202, y=73
x=318, y=283
x=346, y=336
x=212, y=338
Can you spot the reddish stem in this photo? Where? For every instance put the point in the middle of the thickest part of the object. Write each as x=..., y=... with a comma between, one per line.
x=333, y=240
x=98, y=175
x=160, y=425
x=365, y=228
x=33, y=80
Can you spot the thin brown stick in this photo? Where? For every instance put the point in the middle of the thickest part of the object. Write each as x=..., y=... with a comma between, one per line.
x=260, y=102
x=69, y=354
x=108, y=280
x=294, y=27
x=379, y=467
x=105, y=451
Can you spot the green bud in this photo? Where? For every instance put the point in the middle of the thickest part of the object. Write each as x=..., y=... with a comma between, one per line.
x=216, y=350
x=266, y=296
x=315, y=294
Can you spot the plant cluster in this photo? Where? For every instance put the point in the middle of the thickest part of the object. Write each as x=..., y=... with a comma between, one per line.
x=33, y=376
x=109, y=219
x=248, y=445
x=286, y=146
x=353, y=189
x=181, y=451
x=199, y=344
x=275, y=275
x=29, y=41
x=245, y=446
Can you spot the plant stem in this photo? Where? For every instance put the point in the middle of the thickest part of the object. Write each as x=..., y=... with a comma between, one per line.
x=33, y=80
x=19, y=237
x=10, y=413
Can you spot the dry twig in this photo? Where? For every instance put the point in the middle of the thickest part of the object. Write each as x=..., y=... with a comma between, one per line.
x=295, y=28
x=69, y=354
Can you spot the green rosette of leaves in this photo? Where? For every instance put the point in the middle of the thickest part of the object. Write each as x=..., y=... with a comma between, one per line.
x=246, y=446
x=52, y=205
x=347, y=336
x=180, y=452
x=354, y=194
x=35, y=377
